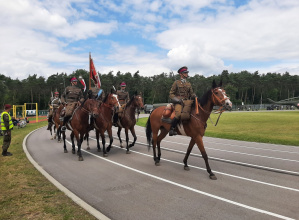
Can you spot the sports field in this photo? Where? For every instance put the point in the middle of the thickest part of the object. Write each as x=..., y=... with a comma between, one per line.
x=277, y=127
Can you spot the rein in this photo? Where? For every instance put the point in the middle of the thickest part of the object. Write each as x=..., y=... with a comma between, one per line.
x=219, y=111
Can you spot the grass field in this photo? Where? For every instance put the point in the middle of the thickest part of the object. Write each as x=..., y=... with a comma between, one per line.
x=27, y=194
x=276, y=127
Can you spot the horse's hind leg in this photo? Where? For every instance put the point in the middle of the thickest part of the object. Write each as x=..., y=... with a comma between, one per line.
x=73, y=143
x=127, y=140
x=201, y=147
x=103, y=143
x=87, y=139
x=162, y=135
x=190, y=147
x=79, y=142
x=118, y=135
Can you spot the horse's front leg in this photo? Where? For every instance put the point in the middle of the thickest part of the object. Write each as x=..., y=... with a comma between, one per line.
x=190, y=147
x=201, y=147
x=79, y=138
x=134, y=135
x=118, y=135
x=51, y=132
x=103, y=143
x=59, y=134
x=73, y=143
x=109, y=131
x=127, y=140
x=54, y=131
x=154, y=143
x=87, y=139
x=98, y=140
x=64, y=145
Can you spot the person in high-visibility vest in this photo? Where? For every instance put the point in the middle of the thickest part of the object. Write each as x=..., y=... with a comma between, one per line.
x=6, y=127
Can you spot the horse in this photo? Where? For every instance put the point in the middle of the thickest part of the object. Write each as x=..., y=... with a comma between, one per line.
x=104, y=121
x=128, y=120
x=57, y=122
x=194, y=128
x=79, y=124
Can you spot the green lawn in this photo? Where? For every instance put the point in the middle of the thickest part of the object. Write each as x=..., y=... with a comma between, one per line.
x=277, y=127
x=27, y=194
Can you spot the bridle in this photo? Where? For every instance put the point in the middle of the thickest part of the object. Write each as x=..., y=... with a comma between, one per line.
x=221, y=108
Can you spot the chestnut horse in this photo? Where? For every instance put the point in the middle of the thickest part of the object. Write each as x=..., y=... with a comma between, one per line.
x=128, y=120
x=194, y=128
x=57, y=123
x=79, y=124
x=104, y=121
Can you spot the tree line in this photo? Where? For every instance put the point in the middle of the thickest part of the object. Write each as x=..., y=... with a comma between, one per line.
x=242, y=87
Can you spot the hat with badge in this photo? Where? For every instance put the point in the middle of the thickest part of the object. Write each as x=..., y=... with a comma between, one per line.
x=123, y=84
x=56, y=93
x=183, y=69
x=74, y=79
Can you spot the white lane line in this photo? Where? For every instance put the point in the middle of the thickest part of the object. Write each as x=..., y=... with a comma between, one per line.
x=190, y=189
x=241, y=146
x=254, y=155
x=225, y=174
x=66, y=191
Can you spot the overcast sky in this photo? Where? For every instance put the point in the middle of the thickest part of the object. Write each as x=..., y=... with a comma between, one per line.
x=152, y=36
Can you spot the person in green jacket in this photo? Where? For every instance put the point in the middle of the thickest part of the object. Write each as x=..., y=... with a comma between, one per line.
x=6, y=127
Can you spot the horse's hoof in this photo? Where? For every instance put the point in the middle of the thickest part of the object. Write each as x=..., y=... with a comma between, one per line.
x=99, y=150
x=80, y=159
x=65, y=151
x=52, y=138
x=128, y=152
x=108, y=149
x=213, y=177
x=157, y=164
x=73, y=151
x=186, y=168
x=88, y=148
x=105, y=155
x=121, y=145
x=131, y=145
x=59, y=141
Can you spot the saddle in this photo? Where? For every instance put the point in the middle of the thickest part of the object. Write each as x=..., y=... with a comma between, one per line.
x=169, y=112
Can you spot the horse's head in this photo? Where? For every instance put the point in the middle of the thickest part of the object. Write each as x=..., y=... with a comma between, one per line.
x=219, y=96
x=138, y=100
x=112, y=100
x=92, y=107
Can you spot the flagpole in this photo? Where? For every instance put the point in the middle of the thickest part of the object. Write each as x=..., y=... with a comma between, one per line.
x=89, y=70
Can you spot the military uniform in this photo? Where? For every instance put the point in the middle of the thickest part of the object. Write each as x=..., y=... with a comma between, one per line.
x=123, y=97
x=95, y=94
x=72, y=94
x=54, y=103
x=181, y=90
x=6, y=127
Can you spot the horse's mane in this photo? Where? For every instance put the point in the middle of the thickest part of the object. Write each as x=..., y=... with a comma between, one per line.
x=106, y=97
x=205, y=98
x=131, y=100
x=82, y=104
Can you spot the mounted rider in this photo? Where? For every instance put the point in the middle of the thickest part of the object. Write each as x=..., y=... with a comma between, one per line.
x=71, y=97
x=54, y=104
x=123, y=98
x=96, y=93
x=180, y=91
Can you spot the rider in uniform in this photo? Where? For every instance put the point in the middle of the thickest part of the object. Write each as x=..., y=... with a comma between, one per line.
x=71, y=97
x=96, y=93
x=54, y=104
x=123, y=98
x=181, y=90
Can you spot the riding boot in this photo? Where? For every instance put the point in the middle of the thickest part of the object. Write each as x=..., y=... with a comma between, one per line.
x=173, y=126
x=115, y=119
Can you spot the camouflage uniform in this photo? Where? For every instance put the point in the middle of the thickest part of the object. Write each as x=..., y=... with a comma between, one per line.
x=181, y=90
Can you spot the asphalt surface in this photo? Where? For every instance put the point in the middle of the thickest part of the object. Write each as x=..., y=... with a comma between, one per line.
x=255, y=181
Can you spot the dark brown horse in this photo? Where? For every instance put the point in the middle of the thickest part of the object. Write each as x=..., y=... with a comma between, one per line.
x=194, y=128
x=128, y=120
x=79, y=124
x=104, y=121
x=57, y=122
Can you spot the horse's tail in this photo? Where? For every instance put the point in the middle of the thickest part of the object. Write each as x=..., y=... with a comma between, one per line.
x=149, y=132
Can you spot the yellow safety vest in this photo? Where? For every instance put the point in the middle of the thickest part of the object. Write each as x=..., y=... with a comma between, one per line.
x=3, y=128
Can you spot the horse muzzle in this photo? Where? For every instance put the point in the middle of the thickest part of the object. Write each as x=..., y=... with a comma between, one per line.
x=228, y=105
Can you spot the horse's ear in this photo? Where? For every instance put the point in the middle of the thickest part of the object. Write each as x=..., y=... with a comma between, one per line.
x=112, y=91
x=135, y=93
x=220, y=84
x=214, y=85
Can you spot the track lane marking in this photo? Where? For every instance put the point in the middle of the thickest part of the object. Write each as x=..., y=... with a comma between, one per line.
x=190, y=188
